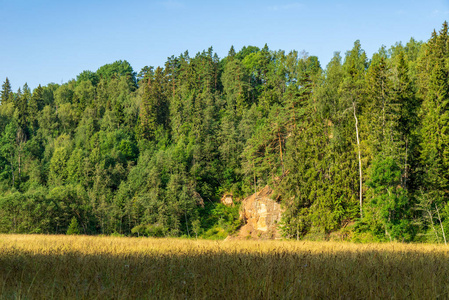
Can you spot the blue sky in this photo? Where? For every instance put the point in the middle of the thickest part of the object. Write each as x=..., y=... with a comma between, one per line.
x=45, y=41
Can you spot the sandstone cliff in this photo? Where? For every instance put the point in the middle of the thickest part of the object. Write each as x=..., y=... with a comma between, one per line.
x=261, y=216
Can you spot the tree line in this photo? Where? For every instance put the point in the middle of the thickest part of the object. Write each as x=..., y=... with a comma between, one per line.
x=357, y=147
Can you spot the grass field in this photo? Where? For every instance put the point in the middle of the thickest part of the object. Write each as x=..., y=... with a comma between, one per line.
x=82, y=267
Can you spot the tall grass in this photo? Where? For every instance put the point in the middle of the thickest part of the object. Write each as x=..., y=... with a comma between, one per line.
x=82, y=267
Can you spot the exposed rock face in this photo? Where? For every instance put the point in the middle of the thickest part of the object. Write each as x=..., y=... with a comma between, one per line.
x=227, y=200
x=261, y=216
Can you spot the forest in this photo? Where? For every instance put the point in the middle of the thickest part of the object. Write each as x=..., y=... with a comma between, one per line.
x=360, y=146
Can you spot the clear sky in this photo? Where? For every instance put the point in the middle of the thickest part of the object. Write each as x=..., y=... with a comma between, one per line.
x=43, y=41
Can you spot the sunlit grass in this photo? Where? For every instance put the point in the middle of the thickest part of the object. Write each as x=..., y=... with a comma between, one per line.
x=60, y=267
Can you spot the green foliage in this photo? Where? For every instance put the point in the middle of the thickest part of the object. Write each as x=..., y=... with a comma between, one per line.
x=152, y=230
x=218, y=220
x=6, y=93
x=362, y=141
x=73, y=227
x=116, y=69
x=94, y=78
x=388, y=213
x=196, y=227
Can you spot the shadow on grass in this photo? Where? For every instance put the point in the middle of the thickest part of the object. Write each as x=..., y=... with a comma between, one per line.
x=276, y=275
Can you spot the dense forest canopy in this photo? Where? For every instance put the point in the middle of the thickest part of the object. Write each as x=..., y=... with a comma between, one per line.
x=357, y=147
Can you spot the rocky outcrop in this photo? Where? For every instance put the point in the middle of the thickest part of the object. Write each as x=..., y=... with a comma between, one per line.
x=261, y=216
x=227, y=200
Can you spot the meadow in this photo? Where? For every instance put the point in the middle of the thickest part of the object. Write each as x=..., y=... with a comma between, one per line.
x=87, y=267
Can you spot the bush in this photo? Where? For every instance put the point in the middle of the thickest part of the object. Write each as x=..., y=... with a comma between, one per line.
x=73, y=227
x=153, y=230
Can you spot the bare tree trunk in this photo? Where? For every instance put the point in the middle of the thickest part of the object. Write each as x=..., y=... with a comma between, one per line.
x=280, y=151
x=388, y=234
x=360, y=159
x=431, y=223
x=19, y=165
x=255, y=190
x=383, y=111
x=441, y=224
x=20, y=140
x=405, y=166
x=187, y=224
x=12, y=172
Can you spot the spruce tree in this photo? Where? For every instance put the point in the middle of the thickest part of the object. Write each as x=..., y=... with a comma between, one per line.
x=351, y=92
x=154, y=106
x=434, y=89
x=6, y=93
x=35, y=105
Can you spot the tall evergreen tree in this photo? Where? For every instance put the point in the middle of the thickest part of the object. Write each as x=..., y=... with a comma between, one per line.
x=154, y=106
x=351, y=91
x=434, y=89
x=21, y=109
x=6, y=93
x=35, y=105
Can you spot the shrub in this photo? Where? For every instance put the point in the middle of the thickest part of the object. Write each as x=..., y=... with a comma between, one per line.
x=73, y=227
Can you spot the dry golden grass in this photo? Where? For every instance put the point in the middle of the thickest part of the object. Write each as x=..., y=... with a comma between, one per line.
x=82, y=267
